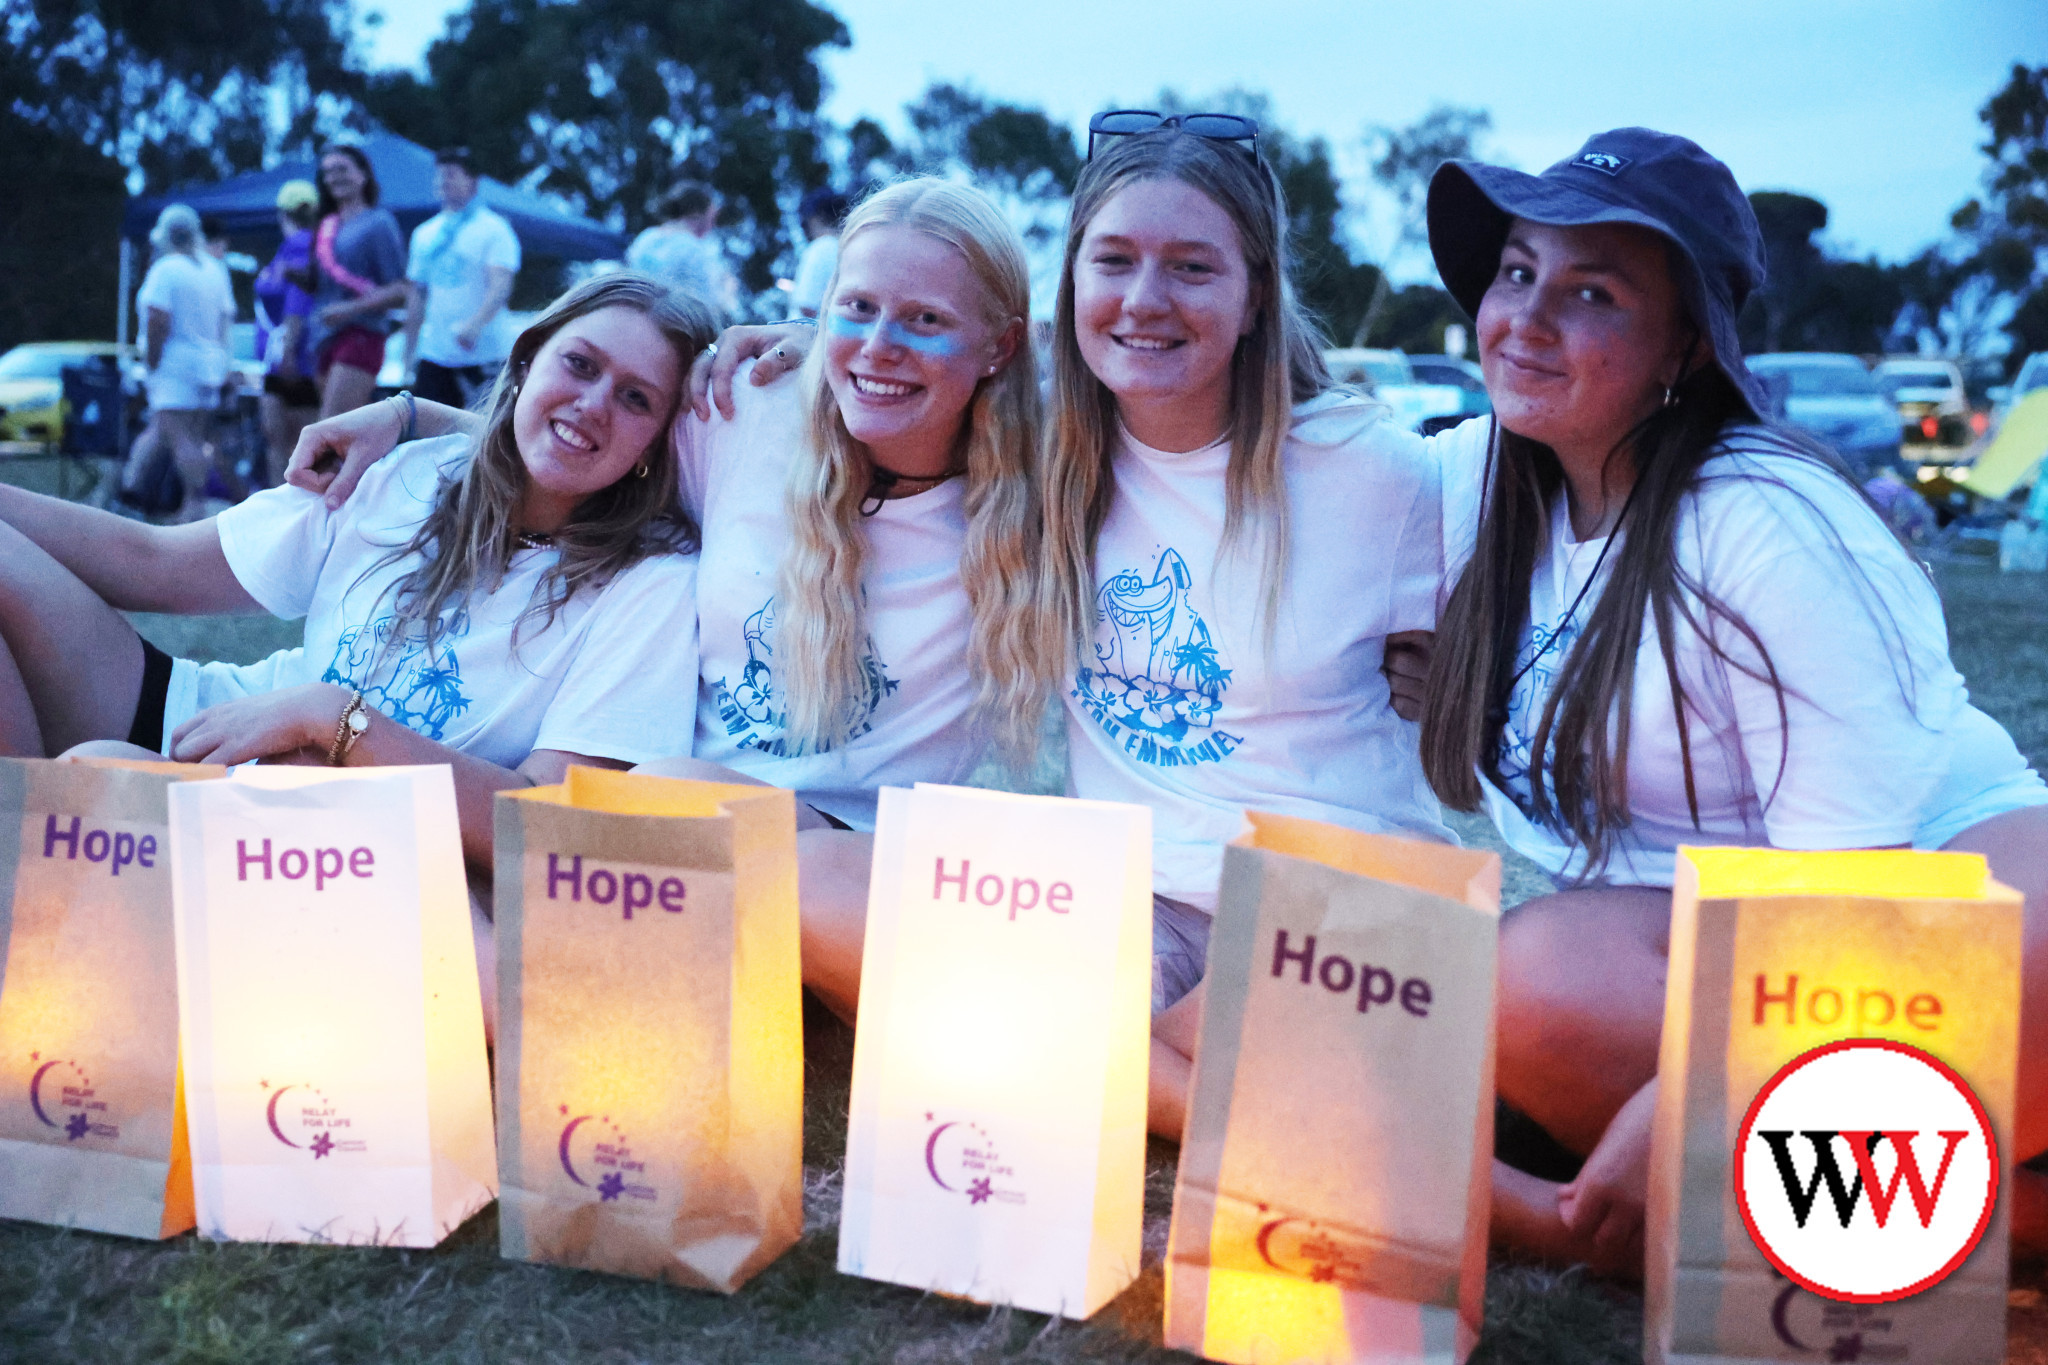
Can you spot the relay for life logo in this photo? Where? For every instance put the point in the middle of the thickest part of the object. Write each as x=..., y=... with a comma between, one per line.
x=1866, y=1170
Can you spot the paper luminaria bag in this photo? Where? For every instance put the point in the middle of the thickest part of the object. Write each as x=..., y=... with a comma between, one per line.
x=650, y=1030
x=92, y=1128
x=1335, y=1176
x=335, y=1077
x=1774, y=953
x=996, y=1142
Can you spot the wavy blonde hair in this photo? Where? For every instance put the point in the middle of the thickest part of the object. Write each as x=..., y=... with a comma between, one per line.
x=1279, y=363
x=822, y=634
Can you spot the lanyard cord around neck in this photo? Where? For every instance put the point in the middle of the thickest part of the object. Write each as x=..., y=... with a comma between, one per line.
x=1573, y=610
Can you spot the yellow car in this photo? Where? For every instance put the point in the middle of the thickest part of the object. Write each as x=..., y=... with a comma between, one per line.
x=32, y=386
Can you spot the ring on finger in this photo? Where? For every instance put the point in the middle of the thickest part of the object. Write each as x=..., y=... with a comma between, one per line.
x=712, y=349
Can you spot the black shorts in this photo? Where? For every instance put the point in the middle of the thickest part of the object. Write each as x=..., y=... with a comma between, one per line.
x=295, y=391
x=147, y=729
x=454, y=385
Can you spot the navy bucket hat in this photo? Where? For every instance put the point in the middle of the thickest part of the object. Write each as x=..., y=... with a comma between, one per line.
x=1667, y=184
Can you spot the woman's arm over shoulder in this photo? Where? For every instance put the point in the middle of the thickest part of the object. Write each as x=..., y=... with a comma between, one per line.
x=133, y=566
x=332, y=456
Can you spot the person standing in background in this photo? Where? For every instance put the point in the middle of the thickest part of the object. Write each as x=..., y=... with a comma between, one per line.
x=361, y=260
x=683, y=248
x=284, y=307
x=185, y=335
x=460, y=267
x=821, y=211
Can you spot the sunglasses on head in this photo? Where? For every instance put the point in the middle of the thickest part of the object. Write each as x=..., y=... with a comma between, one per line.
x=1211, y=127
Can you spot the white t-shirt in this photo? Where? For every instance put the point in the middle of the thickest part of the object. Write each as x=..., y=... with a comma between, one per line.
x=691, y=263
x=195, y=357
x=814, y=271
x=919, y=724
x=452, y=255
x=608, y=677
x=1881, y=745
x=1185, y=708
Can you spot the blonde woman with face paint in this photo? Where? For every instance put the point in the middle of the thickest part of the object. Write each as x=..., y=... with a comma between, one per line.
x=866, y=597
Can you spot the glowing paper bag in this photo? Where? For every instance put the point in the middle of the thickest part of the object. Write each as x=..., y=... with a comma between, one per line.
x=996, y=1144
x=1335, y=1177
x=92, y=1129
x=1774, y=953
x=650, y=1027
x=335, y=1078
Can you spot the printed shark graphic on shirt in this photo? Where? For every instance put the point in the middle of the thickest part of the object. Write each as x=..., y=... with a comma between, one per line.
x=420, y=691
x=1158, y=681
x=750, y=709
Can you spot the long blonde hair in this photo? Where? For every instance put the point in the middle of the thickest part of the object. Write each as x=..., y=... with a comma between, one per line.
x=822, y=644
x=1279, y=363
x=467, y=540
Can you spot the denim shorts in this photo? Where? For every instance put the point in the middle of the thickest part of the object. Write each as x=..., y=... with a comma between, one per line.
x=1180, y=950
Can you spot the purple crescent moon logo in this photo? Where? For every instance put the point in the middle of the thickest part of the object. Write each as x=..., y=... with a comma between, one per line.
x=1780, y=1325
x=271, y=1111
x=35, y=1084
x=931, y=1158
x=568, y=1133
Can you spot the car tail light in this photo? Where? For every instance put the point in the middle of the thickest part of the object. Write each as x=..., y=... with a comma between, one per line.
x=1979, y=422
x=1929, y=426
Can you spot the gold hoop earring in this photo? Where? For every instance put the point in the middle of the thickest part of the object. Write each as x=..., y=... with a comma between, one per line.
x=640, y=470
x=1670, y=397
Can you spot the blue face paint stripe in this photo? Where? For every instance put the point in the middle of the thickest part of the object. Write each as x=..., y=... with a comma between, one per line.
x=895, y=334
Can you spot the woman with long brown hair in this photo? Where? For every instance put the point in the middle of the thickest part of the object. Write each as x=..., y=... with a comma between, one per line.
x=1678, y=624
x=483, y=602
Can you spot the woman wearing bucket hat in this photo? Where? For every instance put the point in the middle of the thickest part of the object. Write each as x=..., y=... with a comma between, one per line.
x=1677, y=623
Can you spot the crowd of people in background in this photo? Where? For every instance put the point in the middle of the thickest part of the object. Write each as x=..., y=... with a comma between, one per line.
x=343, y=281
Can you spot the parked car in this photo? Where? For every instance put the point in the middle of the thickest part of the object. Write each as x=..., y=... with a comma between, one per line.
x=1461, y=374
x=1388, y=376
x=1933, y=409
x=1838, y=400
x=32, y=386
x=2033, y=375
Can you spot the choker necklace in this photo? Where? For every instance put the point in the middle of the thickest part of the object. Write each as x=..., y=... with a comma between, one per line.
x=534, y=540
x=884, y=484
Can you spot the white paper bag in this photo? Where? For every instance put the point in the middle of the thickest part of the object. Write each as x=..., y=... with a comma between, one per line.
x=996, y=1144
x=333, y=1042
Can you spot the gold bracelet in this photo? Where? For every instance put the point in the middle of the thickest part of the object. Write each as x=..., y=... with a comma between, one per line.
x=354, y=722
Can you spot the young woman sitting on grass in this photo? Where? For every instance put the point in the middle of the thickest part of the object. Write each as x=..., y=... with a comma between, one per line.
x=1678, y=625
x=865, y=594
x=506, y=604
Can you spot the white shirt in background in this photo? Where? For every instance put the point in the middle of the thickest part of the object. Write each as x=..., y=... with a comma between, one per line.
x=195, y=354
x=610, y=676
x=688, y=262
x=1881, y=745
x=917, y=724
x=451, y=257
x=814, y=271
x=1191, y=707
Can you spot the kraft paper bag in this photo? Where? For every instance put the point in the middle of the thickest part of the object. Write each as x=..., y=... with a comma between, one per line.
x=1768, y=950
x=996, y=1143
x=650, y=1034
x=335, y=1077
x=1336, y=1174
x=92, y=1127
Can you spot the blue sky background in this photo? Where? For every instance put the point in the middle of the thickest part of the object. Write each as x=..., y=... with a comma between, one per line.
x=1868, y=105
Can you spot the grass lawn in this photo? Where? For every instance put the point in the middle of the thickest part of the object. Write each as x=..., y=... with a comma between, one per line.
x=83, y=1297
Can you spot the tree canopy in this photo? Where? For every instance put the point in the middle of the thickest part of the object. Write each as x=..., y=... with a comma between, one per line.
x=609, y=103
